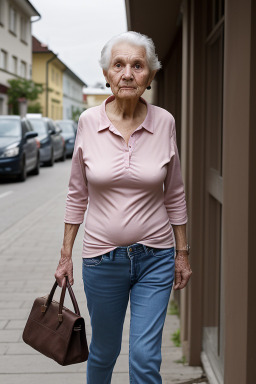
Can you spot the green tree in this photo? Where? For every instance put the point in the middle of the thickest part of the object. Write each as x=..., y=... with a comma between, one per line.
x=35, y=108
x=76, y=112
x=22, y=88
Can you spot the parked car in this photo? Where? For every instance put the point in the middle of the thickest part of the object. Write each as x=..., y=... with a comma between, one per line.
x=52, y=144
x=68, y=128
x=19, y=150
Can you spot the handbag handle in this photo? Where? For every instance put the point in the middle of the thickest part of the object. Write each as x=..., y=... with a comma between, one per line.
x=62, y=297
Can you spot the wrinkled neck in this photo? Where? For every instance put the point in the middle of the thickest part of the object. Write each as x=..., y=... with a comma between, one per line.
x=126, y=109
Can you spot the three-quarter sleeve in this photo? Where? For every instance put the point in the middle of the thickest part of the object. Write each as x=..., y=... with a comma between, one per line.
x=174, y=195
x=77, y=198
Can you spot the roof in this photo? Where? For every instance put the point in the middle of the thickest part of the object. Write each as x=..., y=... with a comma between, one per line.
x=74, y=76
x=35, y=13
x=39, y=47
x=27, y=8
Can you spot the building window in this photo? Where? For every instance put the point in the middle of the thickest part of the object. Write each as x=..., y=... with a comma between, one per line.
x=23, y=69
x=214, y=312
x=3, y=59
x=1, y=12
x=13, y=20
x=23, y=29
x=14, y=65
x=215, y=13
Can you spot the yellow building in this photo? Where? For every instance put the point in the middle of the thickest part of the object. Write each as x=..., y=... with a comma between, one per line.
x=95, y=96
x=48, y=70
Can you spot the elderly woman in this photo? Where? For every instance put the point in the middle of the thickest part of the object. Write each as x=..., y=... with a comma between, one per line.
x=126, y=164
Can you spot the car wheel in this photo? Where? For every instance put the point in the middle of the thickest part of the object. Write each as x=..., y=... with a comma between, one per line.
x=23, y=172
x=36, y=170
x=64, y=155
x=51, y=161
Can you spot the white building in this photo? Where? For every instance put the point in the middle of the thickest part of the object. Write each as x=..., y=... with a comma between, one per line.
x=15, y=44
x=72, y=93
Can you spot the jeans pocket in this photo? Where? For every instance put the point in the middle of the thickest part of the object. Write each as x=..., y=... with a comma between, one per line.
x=163, y=252
x=92, y=261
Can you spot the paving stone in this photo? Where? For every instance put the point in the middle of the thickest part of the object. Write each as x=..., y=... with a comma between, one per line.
x=20, y=348
x=19, y=296
x=35, y=364
x=16, y=324
x=3, y=323
x=125, y=347
x=120, y=378
x=6, y=289
x=10, y=304
x=3, y=348
x=49, y=378
x=9, y=336
x=13, y=314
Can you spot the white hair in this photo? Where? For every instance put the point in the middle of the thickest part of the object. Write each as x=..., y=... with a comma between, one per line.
x=134, y=38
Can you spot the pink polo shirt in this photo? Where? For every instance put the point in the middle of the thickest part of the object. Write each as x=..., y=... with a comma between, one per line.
x=132, y=194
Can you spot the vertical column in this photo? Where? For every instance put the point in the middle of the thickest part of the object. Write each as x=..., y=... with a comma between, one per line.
x=195, y=176
x=236, y=119
x=185, y=9
x=251, y=330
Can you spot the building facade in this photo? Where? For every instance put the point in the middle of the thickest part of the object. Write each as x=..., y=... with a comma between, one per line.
x=48, y=70
x=58, y=80
x=15, y=44
x=72, y=94
x=208, y=82
x=95, y=96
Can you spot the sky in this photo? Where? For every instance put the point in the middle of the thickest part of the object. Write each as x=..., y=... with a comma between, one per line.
x=77, y=30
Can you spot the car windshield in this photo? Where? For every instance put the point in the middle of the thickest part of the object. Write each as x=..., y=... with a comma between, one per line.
x=10, y=128
x=66, y=127
x=39, y=126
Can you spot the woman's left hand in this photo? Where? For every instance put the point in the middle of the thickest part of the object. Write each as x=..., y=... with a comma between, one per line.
x=182, y=271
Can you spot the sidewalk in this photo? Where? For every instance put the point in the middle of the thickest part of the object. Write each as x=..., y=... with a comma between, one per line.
x=29, y=255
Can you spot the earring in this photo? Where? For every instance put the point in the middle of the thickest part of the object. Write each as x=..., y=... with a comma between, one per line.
x=107, y=85
x=149, y=87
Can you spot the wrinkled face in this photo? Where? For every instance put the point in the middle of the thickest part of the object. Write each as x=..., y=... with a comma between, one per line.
x=128, y=73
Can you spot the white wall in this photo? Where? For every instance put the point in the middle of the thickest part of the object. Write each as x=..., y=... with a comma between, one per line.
x=72, y=95
x=13, y=44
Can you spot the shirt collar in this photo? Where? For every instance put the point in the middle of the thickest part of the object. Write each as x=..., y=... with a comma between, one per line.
x=148, y=123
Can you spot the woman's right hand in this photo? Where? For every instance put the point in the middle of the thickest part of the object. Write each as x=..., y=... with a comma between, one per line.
x=64, y=268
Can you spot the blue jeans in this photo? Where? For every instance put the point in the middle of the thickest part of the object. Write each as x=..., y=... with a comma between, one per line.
x=146, y=274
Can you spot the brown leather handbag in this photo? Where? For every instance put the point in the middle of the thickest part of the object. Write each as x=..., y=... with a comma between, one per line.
x=55, y=331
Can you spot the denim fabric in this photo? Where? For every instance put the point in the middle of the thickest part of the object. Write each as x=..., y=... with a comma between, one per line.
x=145, y=275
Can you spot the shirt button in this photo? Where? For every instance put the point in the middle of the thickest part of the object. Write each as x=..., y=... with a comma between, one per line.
x=130, y=249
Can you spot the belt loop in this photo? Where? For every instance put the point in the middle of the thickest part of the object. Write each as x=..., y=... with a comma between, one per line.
x=145, y=248
x=111, y=255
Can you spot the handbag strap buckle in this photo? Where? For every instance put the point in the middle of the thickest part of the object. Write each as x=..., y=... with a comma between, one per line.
x=60, y=317
x=43, y=308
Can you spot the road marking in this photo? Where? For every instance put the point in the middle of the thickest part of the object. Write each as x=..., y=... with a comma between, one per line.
x=6, y=194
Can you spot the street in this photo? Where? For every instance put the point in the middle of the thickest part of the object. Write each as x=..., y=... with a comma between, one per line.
x=31, y=230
